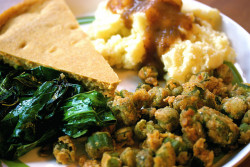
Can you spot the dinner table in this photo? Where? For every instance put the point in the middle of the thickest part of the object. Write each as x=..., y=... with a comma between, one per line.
x=239, y=11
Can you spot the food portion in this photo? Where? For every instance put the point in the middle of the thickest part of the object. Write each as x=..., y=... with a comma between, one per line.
x=168, y=34
x=46, y=33
x=41, y=104
x=190, y=124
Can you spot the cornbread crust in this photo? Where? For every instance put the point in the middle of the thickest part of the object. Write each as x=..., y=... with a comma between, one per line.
x=45, y=32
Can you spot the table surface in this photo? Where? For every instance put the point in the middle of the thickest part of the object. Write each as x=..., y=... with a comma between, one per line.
x=239, y=11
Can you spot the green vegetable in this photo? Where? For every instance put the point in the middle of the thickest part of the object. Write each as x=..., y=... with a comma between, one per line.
x=32, y=121
x=165, y=156
x=244, y=127
x=108, y=160
x=142, y=128
x=177, y=145
x=85, y=110
x=128, y=157
x=35, y=105
x=144, y=158
x=98, y=143
x=237, y=77
x=86, y=20
x=245, y=86
x=16, y=163
x=18, y=85
x=124, y=136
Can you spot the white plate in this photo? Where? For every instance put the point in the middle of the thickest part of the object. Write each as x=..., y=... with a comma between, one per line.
x=240, y=40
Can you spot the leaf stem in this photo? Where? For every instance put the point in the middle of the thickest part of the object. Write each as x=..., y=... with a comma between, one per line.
x=86, y=20
x=237, y=77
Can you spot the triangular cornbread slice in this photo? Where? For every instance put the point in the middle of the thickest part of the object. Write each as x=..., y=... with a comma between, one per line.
x=45, y=32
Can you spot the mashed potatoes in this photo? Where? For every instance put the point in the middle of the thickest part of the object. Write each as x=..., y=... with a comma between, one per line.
x=203, y=49
x=123, y=48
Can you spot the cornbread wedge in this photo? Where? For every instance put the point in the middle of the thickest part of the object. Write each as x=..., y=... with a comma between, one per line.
x=46, y=33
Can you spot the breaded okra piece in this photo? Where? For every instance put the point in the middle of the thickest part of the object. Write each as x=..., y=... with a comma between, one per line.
x=224, y=72
x=149, y=75
x=125, y=110
x=244, y=133
x=124, y=136
x=174, y=86
x=64, y=150
x=144, y=158
x=142, y=128
x=182, y=102
x=191, y=123
x=221, y=129
x=201, y=152
x=128, y=157
x=235, y=107
x=165, y=156
x=110, y=159
x=167, y=118
x=180, y=147
x=246, y=118
x=158, y=95
x=98, y=143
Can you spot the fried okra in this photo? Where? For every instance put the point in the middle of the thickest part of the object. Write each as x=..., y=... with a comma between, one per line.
x=167, y=118
x=174, y=86
x=91, y=163
x=193, y=89
x=203, y=109
x=244, y=133
x=149, y=75
x=142, y=128
x=224, y=72
x=201, y=152
x=64, y=150
x=98, y=143
x=124, y=136
x=126, y=105
x=214, y=85
x=165, y=156
x=144, y=158
x=221, y=129
x=191, y=123
x=182, y=102
x=235, y=107
x=128, y=156
x=141, y=98
x=148, y=113
x=246, y=118
x=181, y=148
x=240, y=89
x=110, y=159
x=211, y=100
x=153, y=140
x=147, y=87
x=158, y=95
x=125, y=110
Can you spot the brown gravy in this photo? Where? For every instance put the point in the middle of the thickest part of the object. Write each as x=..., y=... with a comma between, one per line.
x=164, y=17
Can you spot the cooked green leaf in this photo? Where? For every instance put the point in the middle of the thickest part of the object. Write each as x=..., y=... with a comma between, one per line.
x=32, y=118
x=36, y=104
x=86, y=110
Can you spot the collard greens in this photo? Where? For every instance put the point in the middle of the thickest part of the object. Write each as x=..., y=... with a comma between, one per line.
x=85, y=110
x=38, y=105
